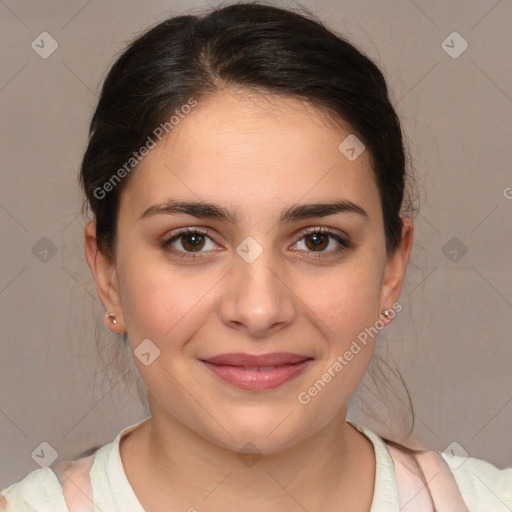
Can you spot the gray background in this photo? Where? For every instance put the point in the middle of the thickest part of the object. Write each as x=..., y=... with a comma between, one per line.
x=452, y=341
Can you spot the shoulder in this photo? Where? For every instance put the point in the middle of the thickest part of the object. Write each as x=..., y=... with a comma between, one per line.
x=38, y=490
x=483, y=486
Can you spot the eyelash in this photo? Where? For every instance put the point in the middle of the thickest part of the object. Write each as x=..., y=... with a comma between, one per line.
x=343, y=244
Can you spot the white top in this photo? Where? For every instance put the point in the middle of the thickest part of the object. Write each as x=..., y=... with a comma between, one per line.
x=484, y=487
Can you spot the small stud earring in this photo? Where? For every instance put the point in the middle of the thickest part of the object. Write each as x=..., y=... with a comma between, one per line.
x=387, y=312
x=113, y=318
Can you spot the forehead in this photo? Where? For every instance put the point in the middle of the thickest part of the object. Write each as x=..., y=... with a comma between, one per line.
x=247, y=149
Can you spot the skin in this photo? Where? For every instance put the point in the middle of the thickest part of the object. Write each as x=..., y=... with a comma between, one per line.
x=257, y=155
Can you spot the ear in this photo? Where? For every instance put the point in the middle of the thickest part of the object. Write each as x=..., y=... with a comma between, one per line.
x=105, y=276
x=396, y=266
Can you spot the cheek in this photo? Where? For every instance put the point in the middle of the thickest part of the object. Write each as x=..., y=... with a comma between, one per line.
x=346, y=299
x=167, y=311
x=345, y=305
x=346, y=309
x=160, y=302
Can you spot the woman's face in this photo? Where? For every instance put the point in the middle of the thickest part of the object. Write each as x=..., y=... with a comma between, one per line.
x=252, y=281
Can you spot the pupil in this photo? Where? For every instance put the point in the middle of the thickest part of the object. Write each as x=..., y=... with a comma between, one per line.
x=318, y=239
x=192, y=241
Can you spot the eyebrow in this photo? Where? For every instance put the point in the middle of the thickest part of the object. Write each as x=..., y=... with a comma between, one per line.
x=203, y=209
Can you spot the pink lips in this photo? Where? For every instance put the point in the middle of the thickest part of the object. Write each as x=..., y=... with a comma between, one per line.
x=257, y=372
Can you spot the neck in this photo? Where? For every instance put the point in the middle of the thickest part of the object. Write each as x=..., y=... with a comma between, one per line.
x=335, y=467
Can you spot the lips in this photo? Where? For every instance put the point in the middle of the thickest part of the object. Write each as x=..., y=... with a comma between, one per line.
x=257, y=372
x=257, y=361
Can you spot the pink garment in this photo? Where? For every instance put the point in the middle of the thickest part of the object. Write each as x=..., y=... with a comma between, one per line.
x=76, y=483
x=413, y=493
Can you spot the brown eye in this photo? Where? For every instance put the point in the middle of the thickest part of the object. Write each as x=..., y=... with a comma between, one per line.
x=192, y=241
x=187, y=242
x=319, y=241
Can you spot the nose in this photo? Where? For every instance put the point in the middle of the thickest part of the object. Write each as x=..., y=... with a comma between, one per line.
x=256, y=298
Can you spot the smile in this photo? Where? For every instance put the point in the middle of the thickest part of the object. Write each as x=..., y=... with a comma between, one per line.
x=257, y=372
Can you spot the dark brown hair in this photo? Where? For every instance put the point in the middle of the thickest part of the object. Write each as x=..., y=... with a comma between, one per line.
x=245, y=46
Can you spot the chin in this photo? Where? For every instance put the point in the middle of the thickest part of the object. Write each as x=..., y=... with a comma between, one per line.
x=261, y=434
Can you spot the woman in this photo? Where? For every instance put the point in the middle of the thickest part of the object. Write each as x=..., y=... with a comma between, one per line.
x=251, y=233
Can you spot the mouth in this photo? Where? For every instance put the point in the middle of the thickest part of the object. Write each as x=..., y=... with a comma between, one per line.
x=257, y=372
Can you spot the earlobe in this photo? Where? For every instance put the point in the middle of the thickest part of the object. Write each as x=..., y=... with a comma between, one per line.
x=396, y=266
x=104, y=272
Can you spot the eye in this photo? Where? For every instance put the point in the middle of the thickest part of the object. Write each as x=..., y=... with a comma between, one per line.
x=192, y=241
x=319, y=239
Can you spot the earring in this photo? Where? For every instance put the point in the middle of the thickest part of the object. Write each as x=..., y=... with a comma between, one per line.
x=113, y=318
x=387, y=312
